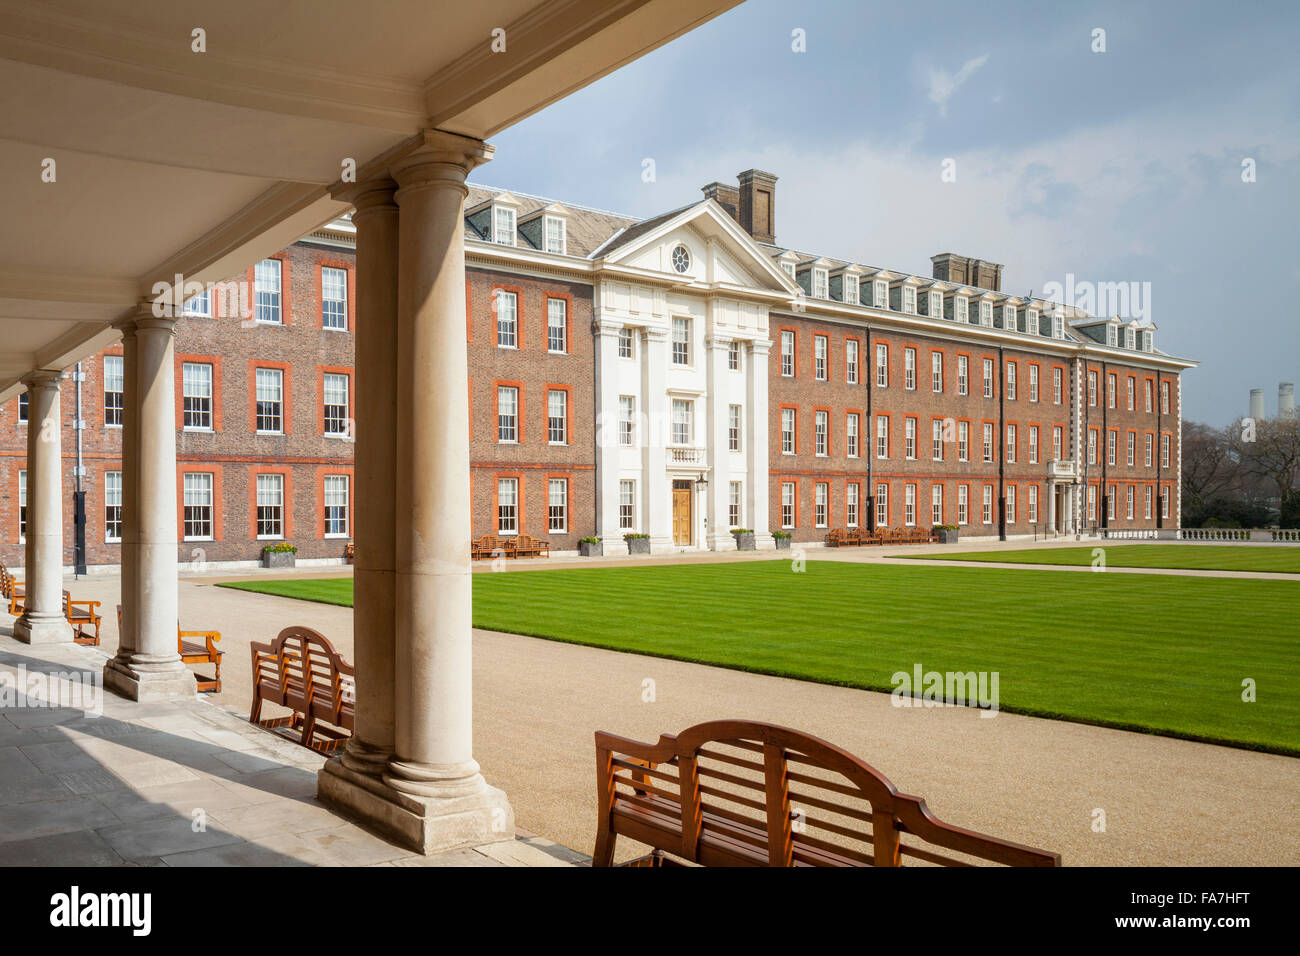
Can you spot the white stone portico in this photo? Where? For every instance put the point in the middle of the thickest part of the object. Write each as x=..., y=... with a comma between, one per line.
x=681, y=322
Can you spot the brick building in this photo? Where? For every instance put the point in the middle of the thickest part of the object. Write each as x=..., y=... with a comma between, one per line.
x=676, y=376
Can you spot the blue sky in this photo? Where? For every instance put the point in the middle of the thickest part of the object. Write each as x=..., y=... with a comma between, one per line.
x=1117, y=166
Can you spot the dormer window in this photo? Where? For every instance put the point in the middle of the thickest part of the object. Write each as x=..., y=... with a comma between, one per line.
x=1058, y=326
x=909, y=300
x=788, y=266
x=851, y=289
x=820, y=284
x=1031, y=321
x=986, y=314
x=1110, y=335
x=882, y=294
x=1147, y=340
x=1129, y=339
x=503, y=225
x=936, y=305
x=960, y=309
x=556, y=238
x=1009, y=318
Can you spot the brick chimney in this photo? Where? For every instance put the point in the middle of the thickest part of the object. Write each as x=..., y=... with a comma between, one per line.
x=757, y=204
x=728, y=197
x=950, y=267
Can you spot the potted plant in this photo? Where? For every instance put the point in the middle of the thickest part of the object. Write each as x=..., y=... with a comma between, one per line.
x=946, y=533
x=590, y=547
x=279, y=555
x=744, y=538
x=782, y=539
x=637, y=543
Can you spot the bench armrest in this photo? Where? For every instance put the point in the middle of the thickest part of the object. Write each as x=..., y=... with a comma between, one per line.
x=210, y=639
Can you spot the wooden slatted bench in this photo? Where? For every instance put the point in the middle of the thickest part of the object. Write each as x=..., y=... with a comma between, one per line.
x=488, y=546
x=301, y=671
x=196, y=653
x=743, y=793
x=82, y=615
x=526, y=546
x=350, y=552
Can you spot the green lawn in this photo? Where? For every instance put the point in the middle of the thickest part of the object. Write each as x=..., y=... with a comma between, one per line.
x=1163, y=654
x=1206, y=557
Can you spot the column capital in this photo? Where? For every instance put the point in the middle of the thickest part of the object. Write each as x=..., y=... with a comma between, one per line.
x=760, y=346
x=372, y=195
x=439, y=158
x=160, y=323
x=607, y=327
x=655, y=334
x=717, y=341
x=42, y=378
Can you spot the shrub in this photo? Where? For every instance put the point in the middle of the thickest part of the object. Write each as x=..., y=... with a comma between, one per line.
x=281, y=547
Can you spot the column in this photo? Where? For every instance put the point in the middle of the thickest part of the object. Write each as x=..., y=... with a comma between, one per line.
x=1051, y=505
x=153, y=670
x=757, y=480
x=126, y=642
x=42, y=621
x=656, y=496
x=607, y=424
x=715, y=498
x=431, y=796
x=374, y=567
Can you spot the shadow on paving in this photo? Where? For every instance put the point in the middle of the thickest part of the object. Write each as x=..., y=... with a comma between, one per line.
x=80, y=790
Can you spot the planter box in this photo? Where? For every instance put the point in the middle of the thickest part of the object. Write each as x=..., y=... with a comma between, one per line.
x=745, y=542
x=279, y=559
x=591, y=549
x=638, y=545
x=782, y=544
x=947, y=535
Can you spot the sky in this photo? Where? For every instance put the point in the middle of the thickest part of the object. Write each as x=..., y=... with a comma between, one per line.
x=1117, y=166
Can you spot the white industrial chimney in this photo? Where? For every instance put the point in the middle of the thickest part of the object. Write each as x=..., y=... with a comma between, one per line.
x=1257, y=404
x=1286, y=400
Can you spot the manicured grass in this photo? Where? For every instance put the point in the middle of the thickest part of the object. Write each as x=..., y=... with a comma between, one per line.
x=1206, y=557
x=1164, y=654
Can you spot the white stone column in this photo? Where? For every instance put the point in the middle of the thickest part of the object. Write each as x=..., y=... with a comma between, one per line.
x=718, y=537
x=607, y=425
x=432, y=796
x=656, y=495
x=374, y=626
x=126, y=642
x=42, y=621
x=154, y=669
x=1052, y=504
x=757, y=481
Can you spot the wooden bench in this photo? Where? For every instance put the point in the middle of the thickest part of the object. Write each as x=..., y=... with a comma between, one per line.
x=743, y=793
x=350, y=552
x=82, y=615
x=488, y=546
x=301, y=670
x=195, y=653
x=526, y=546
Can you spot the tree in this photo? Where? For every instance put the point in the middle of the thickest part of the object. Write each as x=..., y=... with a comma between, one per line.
x=1210, y=471
x=1273, y=458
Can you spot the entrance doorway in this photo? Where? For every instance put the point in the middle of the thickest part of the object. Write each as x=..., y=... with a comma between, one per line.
x=682, y=513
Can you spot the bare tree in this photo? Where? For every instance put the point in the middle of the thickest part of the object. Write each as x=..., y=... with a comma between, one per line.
x=1210, y=465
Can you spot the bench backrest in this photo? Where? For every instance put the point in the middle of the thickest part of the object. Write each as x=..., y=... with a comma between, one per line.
x=750, y=793
x=305, y=666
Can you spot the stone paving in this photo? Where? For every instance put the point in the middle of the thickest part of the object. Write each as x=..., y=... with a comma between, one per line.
x=175, y=784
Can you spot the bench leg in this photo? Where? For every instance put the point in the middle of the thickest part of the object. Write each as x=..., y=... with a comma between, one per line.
x=255, y=715
x=603, y=855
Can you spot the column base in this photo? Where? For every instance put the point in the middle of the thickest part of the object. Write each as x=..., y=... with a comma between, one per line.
x=424, y=824
x=43, y=630
x=138, y=685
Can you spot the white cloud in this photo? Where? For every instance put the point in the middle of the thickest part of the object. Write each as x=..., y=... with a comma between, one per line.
x=944, y=84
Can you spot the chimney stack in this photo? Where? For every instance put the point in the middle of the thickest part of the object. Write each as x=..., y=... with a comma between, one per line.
x=1257, y=404
x=757, y=205
x=1286, y=400
x=980, y=273
x=728, y=197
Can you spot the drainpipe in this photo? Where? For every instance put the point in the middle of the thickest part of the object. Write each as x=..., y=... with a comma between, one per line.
x=868, y=365
x=79, y=495
x=1002, y=437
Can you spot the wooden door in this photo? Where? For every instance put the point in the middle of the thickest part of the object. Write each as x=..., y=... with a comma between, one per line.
x=682, y=513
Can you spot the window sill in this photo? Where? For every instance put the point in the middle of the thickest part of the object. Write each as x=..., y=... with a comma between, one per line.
x=270, y=433
x=340, y=534
x=208, y=538
x=270, y=537
x=112, y=540
x=187, y=428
